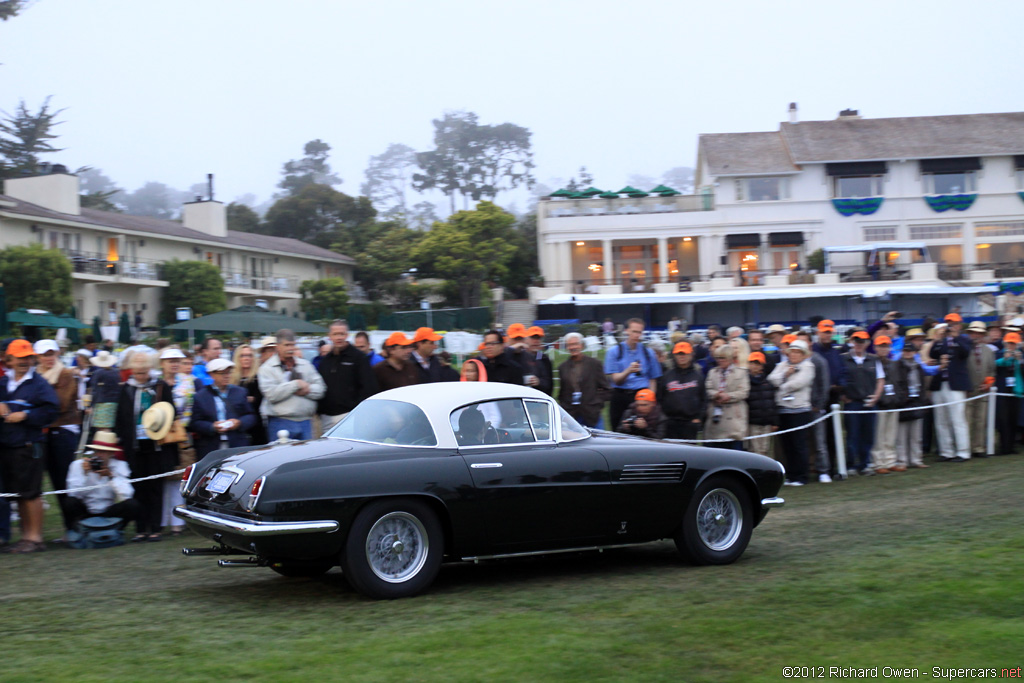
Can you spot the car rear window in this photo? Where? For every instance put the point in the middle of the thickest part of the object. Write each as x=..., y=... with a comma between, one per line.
x=384, y=421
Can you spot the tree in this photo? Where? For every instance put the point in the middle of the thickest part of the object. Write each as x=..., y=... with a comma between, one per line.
x=476, y=161
x=387, y=178
x=422, y=216
x=24, y=136
x=326, y=298
x=310, y=169
x=387, y=256
x=679, y=178
x=323, y=216
x=97, y=190
x=10, y=8
x=469, y=248
x=153, y=199
x=241, y=218
x=523, y=267
x=193, y=284
x=34, y=277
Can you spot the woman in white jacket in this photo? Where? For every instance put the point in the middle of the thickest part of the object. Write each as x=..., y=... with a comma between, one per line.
x=794, y=378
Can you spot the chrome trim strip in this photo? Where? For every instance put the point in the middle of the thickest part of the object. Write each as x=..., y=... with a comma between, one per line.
x=556, y=551
x=485, y=465
x=772, y=502
x=245, y=527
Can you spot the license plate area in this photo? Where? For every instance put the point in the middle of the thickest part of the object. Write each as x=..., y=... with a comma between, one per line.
x=221, y=482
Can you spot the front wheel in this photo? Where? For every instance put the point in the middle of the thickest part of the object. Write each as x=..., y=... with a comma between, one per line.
x=717, y=524
x=394, y=549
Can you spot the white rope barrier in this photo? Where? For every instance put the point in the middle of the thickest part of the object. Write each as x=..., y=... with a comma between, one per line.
x=99, y=486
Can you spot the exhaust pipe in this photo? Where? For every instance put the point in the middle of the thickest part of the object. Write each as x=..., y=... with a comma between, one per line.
x=247, y=562
x=213, y=550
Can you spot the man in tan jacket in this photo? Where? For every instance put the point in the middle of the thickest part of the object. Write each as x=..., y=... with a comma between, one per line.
x=981, y=370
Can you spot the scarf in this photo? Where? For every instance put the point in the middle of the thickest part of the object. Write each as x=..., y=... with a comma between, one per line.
x=53, y=374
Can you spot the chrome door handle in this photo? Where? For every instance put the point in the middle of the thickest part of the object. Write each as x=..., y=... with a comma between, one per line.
x=485, y=465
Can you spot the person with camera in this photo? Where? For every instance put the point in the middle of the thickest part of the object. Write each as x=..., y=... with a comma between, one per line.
x=643, y=417
x=101, y=468
x=681, y=395
x=630, y=366
x=291, y=388
x=793, y=379
x=950, y=386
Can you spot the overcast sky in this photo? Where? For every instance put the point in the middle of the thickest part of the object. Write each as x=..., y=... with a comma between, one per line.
x=170, y=90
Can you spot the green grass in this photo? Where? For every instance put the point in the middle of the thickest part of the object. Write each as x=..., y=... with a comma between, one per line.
x=919, y=569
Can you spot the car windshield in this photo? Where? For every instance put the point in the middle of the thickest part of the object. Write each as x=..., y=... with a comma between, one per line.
x=384, y=421
x=571, y=429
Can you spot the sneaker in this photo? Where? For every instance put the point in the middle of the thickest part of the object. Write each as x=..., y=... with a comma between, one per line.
x=824, y=479
x=883, y=470
x=796, y=483
x=867, y=472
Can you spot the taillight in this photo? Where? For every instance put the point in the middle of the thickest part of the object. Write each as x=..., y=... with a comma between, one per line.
x=254, y=493
x=185, y=476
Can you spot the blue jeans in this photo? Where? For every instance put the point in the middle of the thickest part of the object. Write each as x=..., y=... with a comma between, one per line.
x=860, y=436
x=5, y=517
x=297, y=429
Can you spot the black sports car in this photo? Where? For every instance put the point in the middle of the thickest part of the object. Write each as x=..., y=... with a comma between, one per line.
x=467, y=471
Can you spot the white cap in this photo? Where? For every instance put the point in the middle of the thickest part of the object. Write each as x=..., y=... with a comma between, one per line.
x=265, y=342
x=801, y=345
x=170, y=352
x=83, y=352
x=44, y=345
x=219, y=364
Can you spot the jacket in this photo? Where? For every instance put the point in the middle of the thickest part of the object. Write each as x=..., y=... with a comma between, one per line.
x=144, y=456
x=204, y=415
x=794, y=391
x=589, y=379
x=105, y=385
x=761, y=408
x=348, y=380
x=1008, y=375
x=858, y=380
x=895, y=391
x=822, y=382
x=832, y=355
x=958, y=349
x=537, y=366
x=681, y=394
x=279, y=387
x=655, y=423
x=732, y=423
x=35, y=397
x=503, y=368
x=981, y=364
x=67, y=396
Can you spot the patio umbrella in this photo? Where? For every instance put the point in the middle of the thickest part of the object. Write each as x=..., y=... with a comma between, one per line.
x=608, y=195
x=629, y=189
x=34, y=317
x=561, y=193
x=248, y=319
x=97, y=333
x=124, y=332
x=670, y=193
x=73, y=335
x=590, y=192
x=662, y=188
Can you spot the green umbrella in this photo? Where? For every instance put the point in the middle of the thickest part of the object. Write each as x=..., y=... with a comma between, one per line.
x=590, y=192
x=124, y=332
x=39, y=318
x=561, y=193
x=73, y=335
x=629, y=189
x=248, y=319
x=670, y=193
x=662, y=188
x=608, y=195
x=637, y=194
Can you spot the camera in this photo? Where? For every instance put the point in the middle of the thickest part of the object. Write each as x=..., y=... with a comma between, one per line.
x=95, y=463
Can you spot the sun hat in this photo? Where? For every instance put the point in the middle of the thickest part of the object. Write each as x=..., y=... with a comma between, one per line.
x=158, y=420
x=977, y=326
x=915, y=332
x=516, y=331
x=44, y=345
x=104, y=440
x=800, y=345
x=20, y=348
x=170, y=353
x=397, y=339
x=682, y=347
x=104, y=359
x=1011, y=337
x=860, y=334
x=84, y=352
x=882, y=340
x=425, y=334
x=644, y=395
x=219, y=365
x=266, y=342
x=756, y=356
x=777, y=328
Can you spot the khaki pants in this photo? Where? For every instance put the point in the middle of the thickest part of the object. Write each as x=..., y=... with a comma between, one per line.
x=328, y=421
x=951, y=423
x=977, y=424
x=908, y=444
x=883, y=455
x=760, y=446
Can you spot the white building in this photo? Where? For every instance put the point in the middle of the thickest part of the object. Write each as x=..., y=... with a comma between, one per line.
x=117, y=258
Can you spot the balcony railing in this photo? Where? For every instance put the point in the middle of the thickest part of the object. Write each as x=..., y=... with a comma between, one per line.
x=560, y=208
x=266, y=283
x=90, y=263
x=900, y=271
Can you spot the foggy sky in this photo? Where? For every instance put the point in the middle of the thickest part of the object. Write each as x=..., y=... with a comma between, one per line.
x=169, y=90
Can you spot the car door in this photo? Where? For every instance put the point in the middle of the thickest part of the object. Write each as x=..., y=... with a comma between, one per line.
x=533, y=493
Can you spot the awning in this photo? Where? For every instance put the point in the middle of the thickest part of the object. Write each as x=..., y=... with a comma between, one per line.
x=40, y=318
x=248, y=319
x=854, y=168
x=881, y=246
x=786, y=239
x=750, y=240
x=955, y=165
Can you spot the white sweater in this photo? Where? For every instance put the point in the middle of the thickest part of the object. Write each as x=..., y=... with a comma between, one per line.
x=112, y=489
x=794, y=392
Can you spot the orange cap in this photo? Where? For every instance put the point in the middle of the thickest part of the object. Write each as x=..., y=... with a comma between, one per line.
x=425, y=334
x=397, y=339
x=645, y=395
x=535, y=331
x=882, y=340
x=989, y=381
x=827, y=324
x=682, y=347
x=953, y=318
x=1011, y=337
x=756, y=355
x=860, y=334
x=20, y=348
x=788, y=338
x=516, y=331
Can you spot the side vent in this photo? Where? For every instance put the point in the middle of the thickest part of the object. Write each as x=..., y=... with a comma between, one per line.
x=670, y=472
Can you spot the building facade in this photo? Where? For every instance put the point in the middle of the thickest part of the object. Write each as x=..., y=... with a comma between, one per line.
x=117, y=259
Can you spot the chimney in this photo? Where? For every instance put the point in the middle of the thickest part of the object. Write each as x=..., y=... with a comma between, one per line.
x=206, y=216
x=56, y=190
x=849, y=114
x=793, y=118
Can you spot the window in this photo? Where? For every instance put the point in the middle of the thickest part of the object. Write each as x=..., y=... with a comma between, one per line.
x=539, y=413
x=999, y=229
x=571, y=429
x=880, y=234
x=1020, y=179
x=767, y=189
x=384, y=421
x=950, y=183
x=491, y=423
x=857, y=186
x=936, y=232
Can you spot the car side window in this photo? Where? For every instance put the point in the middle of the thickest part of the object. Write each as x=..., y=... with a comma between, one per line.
x=492, y=422
x=540, y=419
x=571, y=429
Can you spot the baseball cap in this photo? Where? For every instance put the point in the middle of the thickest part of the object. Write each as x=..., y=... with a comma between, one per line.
x=860, y=334
x=44, y=345
x=425, y=334
x=953, y=318
x=756, y=355
x=1011, y=337
x=397, y=339
x=218, y=365
x=644, y=395
x=882, y=340
x=826, y=324
x=20, y=348
x=800, y=345
x=171, y=353
x=516, y=331
x=788, y=339
x=682, y=347
x=535, y=331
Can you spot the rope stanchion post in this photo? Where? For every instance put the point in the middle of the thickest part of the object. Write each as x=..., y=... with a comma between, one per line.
x=837, y=432
x=990, y=427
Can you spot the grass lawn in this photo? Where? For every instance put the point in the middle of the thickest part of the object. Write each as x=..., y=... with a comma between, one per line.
x=922, y=569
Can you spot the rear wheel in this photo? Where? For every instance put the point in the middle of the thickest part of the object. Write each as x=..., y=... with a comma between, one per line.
x=302, y=568
x=717, y=524
x=394, y=549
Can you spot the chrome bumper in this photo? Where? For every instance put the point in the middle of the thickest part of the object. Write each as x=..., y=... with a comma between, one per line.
x=245, y=527
x=772, y=502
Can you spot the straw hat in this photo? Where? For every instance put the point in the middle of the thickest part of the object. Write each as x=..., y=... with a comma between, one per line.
x=158, y=419
x=105, y=440
x=104, y=359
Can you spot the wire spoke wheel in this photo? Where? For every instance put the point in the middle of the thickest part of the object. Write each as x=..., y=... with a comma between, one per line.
x=719, y=519
x=397, y=546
